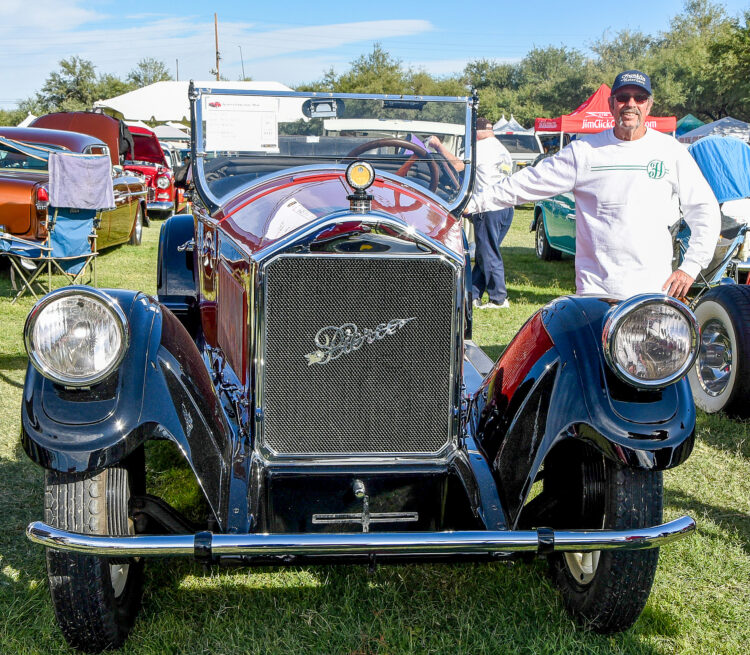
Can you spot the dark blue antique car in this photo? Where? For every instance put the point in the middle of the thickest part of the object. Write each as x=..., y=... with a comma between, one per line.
x=309, y=353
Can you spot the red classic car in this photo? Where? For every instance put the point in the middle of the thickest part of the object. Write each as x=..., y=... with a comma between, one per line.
x=24, y=178
x=147, y=158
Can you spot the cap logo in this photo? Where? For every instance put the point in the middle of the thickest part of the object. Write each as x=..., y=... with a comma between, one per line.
x=633, y=78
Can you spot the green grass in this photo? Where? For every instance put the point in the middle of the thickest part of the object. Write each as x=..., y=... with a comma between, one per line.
x=700, y=602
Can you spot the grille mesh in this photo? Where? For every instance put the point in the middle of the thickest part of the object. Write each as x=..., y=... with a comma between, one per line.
x=390, y=396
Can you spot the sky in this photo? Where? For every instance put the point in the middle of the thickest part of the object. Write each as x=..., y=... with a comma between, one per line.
x=295, y=41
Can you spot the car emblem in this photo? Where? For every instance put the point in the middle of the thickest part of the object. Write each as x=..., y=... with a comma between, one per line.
x=332, y=341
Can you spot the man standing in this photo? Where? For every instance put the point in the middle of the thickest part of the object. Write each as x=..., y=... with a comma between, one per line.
x=630, y=184
x=493, y=162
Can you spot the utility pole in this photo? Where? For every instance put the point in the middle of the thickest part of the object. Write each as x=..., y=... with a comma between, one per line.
x=243, y=62
x=216, y=34
x=177, y=67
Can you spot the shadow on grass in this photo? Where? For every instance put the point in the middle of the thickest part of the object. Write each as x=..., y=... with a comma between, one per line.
x=724, y=433
x=12, y=363
x=729, y=520
x=463, y=608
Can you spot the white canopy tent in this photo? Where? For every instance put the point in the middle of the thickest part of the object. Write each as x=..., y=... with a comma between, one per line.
x=171, y=133
x=168, y=101
x=723, y=127
x=28, y=120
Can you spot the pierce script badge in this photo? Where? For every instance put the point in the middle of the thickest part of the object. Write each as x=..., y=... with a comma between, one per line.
x=333, y=342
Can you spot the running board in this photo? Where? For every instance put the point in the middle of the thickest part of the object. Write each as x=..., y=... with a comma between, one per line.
x=204, y=546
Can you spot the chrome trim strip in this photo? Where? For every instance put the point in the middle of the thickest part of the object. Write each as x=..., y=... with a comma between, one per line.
x=161, y=204
x=619, y=313
x=364, y=543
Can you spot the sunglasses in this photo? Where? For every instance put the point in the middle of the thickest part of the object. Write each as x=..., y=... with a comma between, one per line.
x=639, y=98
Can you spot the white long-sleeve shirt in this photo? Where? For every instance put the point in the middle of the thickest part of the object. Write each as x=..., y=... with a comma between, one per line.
x=627, y=194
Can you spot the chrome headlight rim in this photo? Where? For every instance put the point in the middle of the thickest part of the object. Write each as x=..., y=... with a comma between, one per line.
x=99, y=296
x=614, y=322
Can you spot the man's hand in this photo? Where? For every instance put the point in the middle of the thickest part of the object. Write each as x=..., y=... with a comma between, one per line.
x=678, y=284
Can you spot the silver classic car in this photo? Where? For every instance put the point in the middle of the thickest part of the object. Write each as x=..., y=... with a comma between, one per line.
x=309, y=354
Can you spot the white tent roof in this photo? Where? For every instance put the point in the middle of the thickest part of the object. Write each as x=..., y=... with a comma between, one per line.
x=511, y=127
x=500, y=124
x=168, y=101
x=169, y=132
x=723, y=127
x=27, y=121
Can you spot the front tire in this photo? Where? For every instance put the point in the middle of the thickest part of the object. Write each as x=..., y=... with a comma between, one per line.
x=721, y=375
x=543, y=249
x=96, y=600
x=604, y=591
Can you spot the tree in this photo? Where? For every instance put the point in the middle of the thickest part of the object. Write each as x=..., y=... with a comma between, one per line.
x=71, y=88
x=148, y=71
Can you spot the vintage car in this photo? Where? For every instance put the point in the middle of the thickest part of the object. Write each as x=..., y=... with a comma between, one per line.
x=720, y=379
x=309, y=354
x=148, y=159
x=24, y=186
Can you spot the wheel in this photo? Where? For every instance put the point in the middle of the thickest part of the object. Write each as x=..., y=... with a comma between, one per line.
x=543, y=249
x=607, y=590
x=720, y=379
x=137, y=234
x=96, y=600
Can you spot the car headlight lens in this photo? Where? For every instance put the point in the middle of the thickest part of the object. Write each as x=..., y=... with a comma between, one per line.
x=162, y=182
x=650, y=340
x=76, y=336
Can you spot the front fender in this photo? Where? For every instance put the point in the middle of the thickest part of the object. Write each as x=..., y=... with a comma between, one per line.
x=161, y=390
x=552, y=384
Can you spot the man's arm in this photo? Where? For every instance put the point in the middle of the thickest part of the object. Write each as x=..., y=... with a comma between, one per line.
x=551, y=176
x=701, y=212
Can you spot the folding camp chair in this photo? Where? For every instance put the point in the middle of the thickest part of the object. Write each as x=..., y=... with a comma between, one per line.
x=69, y=249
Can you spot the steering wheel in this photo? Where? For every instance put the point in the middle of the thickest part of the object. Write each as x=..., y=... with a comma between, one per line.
x=419, y=152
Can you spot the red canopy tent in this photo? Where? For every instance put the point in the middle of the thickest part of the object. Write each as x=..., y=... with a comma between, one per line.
x=594, y=116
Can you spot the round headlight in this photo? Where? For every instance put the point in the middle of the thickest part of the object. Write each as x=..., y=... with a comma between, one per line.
x=360, y=175
x=650, y=340
x=76, y=336
x=162, y=182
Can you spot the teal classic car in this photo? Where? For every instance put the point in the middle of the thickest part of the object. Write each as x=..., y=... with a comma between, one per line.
x=555, y=225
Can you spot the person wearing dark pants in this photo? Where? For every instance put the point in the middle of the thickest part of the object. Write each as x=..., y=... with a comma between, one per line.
x=488, y=273
x=493, y=162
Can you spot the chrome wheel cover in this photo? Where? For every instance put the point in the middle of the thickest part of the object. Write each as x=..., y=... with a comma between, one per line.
x=139, y=225
x=540, y=239
x=713, y=367
x=582, y=566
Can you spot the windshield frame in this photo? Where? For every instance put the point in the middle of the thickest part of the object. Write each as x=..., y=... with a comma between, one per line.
x=213, y=202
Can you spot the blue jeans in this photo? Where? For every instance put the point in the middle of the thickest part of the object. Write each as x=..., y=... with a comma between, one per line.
x=488, y=273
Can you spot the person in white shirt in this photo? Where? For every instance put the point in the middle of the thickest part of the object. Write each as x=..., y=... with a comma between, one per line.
x=630, y=184
x=493, y=162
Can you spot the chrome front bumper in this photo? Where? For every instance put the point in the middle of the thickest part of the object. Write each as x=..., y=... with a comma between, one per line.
x=206, y=545
x=160, y=205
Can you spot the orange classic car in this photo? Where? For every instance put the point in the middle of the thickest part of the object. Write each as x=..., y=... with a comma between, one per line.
x=24, y=180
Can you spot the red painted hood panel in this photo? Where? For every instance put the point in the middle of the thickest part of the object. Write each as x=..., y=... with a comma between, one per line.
x=265, y=213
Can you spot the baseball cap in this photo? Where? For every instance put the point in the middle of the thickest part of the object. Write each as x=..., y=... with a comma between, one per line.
x=484, y=123
x=632, y=78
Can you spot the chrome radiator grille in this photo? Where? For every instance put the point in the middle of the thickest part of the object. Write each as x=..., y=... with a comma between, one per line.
x=381, y=391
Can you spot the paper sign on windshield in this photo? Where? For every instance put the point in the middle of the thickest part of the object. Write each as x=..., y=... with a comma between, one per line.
x=237, y=123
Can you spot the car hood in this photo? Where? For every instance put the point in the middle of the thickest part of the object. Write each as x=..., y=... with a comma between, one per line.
x=265, y=213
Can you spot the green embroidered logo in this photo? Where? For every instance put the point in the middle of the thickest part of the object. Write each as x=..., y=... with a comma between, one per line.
x=656, y=169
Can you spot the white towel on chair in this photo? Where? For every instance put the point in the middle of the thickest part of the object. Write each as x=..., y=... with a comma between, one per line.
x=80, y=181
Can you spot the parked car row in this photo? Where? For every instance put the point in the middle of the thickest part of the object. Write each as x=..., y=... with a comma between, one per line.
x=142, y=174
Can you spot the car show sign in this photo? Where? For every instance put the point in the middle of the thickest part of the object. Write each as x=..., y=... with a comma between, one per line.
x=239, y=123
